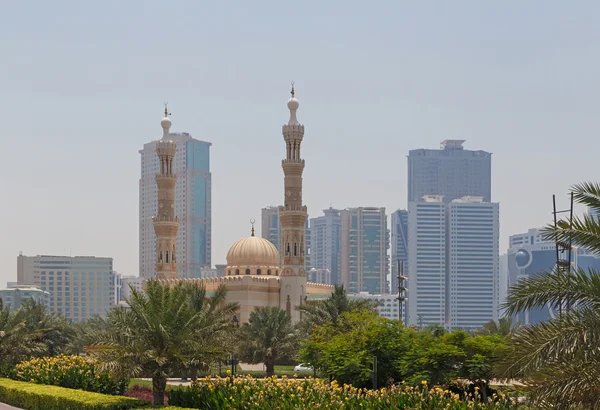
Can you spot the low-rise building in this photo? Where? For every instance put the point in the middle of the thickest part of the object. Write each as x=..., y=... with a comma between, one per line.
x=15, y=295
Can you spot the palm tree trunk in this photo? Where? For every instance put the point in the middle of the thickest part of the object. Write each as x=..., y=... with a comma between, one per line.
x=159, y=385
x=194, y=374
x=270, y=365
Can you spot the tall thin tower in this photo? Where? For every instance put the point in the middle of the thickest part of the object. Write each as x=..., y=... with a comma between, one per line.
x=165, y=222
x=292, y=216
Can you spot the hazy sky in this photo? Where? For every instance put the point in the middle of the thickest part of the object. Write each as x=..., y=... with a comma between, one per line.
x=82, y=86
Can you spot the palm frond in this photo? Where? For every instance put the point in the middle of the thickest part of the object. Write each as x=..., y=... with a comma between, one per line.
x=581, y=288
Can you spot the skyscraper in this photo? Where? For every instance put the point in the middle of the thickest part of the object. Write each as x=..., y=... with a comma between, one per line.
x=453, y=262
x=427, y=262
x=191, y=167
x=325, y=243
x=473, y=262
x=80, y=287
x=399, y=245
x=450, y=171
x=364, y=250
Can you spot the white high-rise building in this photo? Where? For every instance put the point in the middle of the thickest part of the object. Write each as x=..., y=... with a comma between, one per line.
x=192, y=206
x=80, y=287
x=427, y=261
x=453, y=262
x=473, y=262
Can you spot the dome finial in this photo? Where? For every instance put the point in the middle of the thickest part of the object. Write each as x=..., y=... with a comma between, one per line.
x=293, y=106
x=166, y=122
x=252, y=220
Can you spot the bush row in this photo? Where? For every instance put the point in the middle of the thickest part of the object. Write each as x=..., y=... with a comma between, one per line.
x=75, y=372
x=32, y=396
x=289, y=394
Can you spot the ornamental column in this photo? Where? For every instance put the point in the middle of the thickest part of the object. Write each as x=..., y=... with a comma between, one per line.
x=166, y=224
x=292, y=216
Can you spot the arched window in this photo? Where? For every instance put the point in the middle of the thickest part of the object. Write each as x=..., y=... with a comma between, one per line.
x=229, y=272
x=247, y=271
x=268, y=271
x=258, y=271
x=160, y=256
x=295, y=249
x=288, y=248
x=237, y=271
x=167, y=256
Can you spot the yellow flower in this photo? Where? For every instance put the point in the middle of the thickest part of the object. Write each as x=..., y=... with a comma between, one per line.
x=424, y=382
x=228, y=371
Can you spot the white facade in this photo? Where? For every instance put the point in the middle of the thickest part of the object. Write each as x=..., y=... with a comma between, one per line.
x=192, y=205
x=453, y=262
x=531, y=237
x=319, y=276
x=80, y=287
x=15, y=295
x=427, y=262
x=473, y=262
x=388, y=305
x=128, y=282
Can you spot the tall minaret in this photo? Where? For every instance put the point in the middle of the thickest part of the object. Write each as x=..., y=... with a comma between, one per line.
x=292, y=217
x=166, y=223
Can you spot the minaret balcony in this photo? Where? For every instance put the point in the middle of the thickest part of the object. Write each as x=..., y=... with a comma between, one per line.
x=293, y=161
x=165, y=218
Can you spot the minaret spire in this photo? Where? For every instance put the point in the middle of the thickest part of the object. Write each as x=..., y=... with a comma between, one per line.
x=292, y=215
x=166, y=224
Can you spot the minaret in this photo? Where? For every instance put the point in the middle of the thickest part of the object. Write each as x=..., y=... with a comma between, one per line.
x=292, y=216
x=166, y=223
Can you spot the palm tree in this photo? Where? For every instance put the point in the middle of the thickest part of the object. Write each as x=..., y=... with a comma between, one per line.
x=318, y=313
x=503, y=327
x=51, y=330
x=560, y=358
x=268, y=336
x=163, y=331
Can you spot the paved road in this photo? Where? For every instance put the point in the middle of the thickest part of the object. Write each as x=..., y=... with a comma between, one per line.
x=7, y=407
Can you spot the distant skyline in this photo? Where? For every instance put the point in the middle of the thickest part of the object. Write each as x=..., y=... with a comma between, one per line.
x=374, y=80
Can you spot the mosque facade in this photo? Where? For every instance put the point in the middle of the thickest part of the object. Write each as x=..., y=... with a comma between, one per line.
x=254, y=277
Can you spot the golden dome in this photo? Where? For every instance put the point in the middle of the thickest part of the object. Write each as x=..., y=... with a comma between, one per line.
x=252, y=255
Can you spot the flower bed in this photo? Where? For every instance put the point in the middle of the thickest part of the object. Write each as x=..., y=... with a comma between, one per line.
x=75, y=372
x=273, y=393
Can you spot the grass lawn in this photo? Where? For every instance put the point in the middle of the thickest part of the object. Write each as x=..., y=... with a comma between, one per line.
x=140, y=382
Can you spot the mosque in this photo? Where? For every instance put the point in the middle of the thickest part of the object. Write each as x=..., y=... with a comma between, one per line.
x=253, y=276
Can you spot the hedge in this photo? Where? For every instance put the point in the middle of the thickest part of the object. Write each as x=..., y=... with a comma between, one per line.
x=32, y=396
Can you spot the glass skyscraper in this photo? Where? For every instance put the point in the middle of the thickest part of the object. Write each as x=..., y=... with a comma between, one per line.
x=450, y=171
x=364, y=250
x=192, y=206
x=324, y=243
x=399, y=245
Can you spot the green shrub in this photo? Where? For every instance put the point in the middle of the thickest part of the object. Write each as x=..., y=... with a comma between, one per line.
x=75, y=372
x=36, y=397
